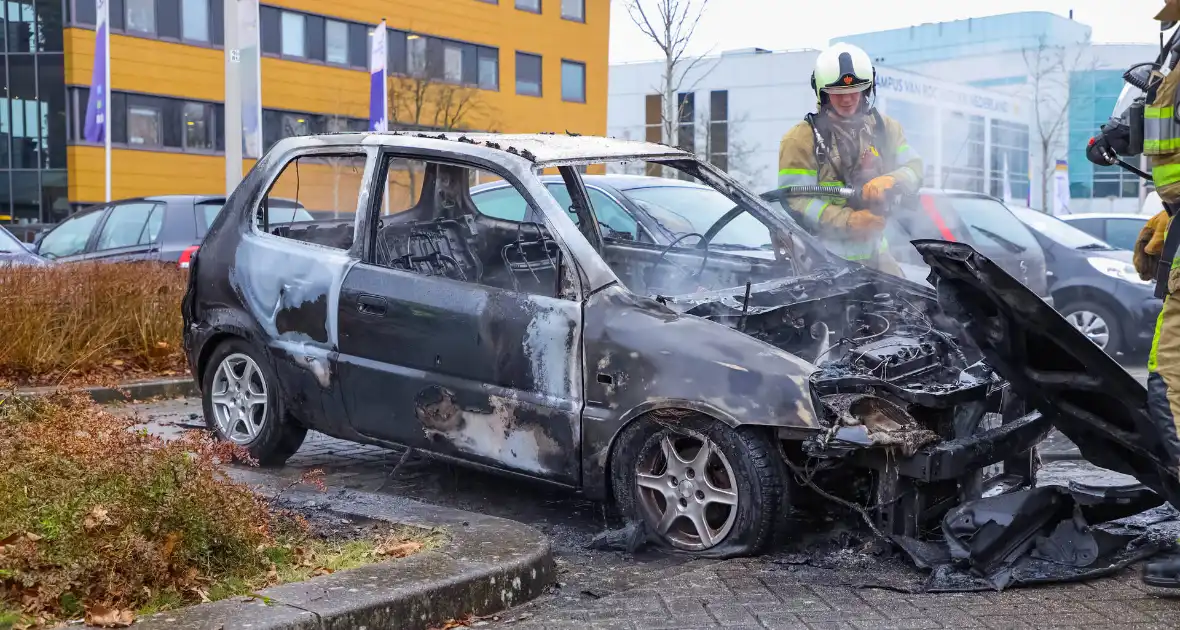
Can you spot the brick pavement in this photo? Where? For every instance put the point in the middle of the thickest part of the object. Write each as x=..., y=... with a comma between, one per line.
x=661, y=591
x=747, y=594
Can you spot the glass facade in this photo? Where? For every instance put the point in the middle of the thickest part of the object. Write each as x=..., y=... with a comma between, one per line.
x=1092, y=98
x=32, y=112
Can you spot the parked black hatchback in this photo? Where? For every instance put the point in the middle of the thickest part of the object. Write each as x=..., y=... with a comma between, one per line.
x=166, y=229
x=1095, y=286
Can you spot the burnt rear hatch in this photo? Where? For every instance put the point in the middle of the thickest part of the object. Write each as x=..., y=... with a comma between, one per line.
x=1086, y=395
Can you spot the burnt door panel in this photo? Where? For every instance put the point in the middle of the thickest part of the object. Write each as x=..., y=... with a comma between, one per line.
x=481, y=373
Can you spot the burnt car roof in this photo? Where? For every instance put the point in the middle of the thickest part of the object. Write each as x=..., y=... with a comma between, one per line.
x=542, y=149
x=1088, y=396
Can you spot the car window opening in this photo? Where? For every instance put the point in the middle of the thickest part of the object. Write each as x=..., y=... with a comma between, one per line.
x=434, y=226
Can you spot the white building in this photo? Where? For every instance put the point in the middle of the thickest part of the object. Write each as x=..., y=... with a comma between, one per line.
x=742, y=102
x=1045, y=58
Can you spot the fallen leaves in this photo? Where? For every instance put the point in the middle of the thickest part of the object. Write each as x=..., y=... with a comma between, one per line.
x=102, y=617
x=397, y=549
x=97, y=517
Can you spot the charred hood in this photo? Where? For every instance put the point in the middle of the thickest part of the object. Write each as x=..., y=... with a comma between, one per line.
x=1087, y=395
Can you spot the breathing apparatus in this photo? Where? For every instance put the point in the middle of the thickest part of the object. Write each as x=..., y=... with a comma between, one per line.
x=1123, y=134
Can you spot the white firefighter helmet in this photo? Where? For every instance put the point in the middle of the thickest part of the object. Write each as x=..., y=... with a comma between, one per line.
x=841, y=69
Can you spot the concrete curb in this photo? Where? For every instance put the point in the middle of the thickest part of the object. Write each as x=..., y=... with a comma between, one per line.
x=489, y=565
x=135, y=391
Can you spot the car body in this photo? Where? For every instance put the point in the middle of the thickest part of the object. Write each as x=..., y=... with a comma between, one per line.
x=642, y=208
x=1119, y=230
x=684, y=383
x=1095, y=285
x=15, y=253
x=167, y=229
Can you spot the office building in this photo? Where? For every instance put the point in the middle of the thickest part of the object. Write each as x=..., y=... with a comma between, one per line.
x=516, y=65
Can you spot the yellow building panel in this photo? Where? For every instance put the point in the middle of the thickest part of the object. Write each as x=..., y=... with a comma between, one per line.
x=149, y=66
x=178, y=70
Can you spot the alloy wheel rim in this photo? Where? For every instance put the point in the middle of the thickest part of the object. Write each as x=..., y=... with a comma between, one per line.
x=687, y=490
x=1092, y=325
x=239, y=399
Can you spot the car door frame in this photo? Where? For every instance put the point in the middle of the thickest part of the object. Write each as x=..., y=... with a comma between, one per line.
x=516, y=413
x=137, y=252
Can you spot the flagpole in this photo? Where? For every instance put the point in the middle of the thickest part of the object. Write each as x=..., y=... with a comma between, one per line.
x=107, y=100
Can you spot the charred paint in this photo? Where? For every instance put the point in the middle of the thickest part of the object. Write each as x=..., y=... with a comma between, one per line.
x=497, y=432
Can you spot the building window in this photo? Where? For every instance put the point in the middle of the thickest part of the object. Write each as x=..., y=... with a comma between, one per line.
x=141, y=16
x=358, y=45
x=197, y=127
x=195, y=20
x=532, y=6
x=1009, y=152
x=921, y=131
x=143, y=126
x=293, y=35
x=528, y=74
x=573, y=81
x=489, y=69
x=337, y=38
x=573, y=10
x=416, y=55
x=717, y=140
x=452, y=63
x=271, y=30
x=653, y=128
x=962, y=151
x=1092, y=96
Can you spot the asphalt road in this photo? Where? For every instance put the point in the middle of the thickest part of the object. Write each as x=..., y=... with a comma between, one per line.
x=653, y=589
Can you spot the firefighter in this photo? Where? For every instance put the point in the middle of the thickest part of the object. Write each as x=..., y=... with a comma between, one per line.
x=1156, y=258
x=847, y=142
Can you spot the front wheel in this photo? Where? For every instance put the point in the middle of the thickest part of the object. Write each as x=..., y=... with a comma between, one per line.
x=1097, y=323
x=699, y=485
x=242, y=406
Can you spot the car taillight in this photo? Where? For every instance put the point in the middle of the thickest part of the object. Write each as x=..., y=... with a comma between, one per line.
x=186, y=257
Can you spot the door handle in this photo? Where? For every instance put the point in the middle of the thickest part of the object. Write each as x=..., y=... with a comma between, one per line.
x=371, y=305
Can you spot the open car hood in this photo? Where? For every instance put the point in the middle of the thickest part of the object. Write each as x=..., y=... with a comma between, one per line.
x=1051, y=365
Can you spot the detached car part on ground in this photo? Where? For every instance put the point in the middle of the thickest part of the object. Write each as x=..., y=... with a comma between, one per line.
x=701, y=390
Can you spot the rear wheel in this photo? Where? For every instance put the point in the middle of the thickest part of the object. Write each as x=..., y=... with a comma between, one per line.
x=1097, y=323
x=699, y=485
x=241, y=404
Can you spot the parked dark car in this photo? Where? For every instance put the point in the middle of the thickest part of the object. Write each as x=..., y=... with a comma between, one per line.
x=1095, y=286
x=1120, y=230
x=13, y=252
x=686, y=383
x=166, y=228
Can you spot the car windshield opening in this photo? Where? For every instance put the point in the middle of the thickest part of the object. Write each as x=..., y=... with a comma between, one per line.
x=9, y=244
x=676, y=227
x=1061, y=232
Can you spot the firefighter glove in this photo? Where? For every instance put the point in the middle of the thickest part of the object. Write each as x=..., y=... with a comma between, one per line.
x=862, y=222
x=1150, y=245
x=874, y=191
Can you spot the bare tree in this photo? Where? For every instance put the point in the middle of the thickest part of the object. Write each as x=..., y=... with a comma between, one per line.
x=726, y=147
x=670, y=25
x=1049, y=69
x=423, y=102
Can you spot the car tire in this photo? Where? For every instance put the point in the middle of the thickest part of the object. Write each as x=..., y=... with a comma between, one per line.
x=1080, y=313
x=237, y=381
x=743, y=465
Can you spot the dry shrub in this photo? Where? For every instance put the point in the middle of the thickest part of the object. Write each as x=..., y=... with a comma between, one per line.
x=98, y=516
x=85, y=319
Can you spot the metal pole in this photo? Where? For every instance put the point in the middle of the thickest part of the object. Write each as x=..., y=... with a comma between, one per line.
x=108, y=123
x=233, y=98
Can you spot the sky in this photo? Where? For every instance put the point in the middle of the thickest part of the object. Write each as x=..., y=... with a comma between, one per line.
x=792, y=24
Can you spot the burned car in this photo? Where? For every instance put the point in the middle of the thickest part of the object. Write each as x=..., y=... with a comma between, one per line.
x=698, y=386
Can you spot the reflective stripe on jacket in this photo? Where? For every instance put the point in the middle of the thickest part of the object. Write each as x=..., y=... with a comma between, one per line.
x=798, y=167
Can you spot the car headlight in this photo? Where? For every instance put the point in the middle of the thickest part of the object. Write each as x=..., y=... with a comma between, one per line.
x=1116, y=269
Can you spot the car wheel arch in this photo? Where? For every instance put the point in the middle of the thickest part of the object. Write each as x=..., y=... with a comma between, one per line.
x=1065, y=296
x=217, y=338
